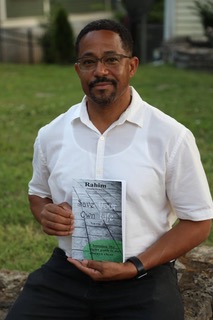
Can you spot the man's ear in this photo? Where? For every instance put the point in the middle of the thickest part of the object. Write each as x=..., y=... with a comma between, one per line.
x=134, y=62
x=76, y=66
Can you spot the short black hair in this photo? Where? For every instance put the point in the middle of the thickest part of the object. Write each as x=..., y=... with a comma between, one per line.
x=111, y=25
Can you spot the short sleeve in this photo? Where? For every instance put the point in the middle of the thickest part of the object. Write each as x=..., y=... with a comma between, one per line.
x=187, y=186
x=39, y=183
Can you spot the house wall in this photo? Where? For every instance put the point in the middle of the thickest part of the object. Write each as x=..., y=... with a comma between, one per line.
x=187, y=20
x=181, y=19
x=34, y=8
x=24, y=8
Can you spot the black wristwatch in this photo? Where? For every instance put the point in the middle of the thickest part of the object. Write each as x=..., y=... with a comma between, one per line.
x=139, y=266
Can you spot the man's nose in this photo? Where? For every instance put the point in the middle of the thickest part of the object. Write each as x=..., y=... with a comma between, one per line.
x=100, y=68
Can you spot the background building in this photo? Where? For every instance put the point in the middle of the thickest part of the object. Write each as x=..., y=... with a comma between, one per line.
x=20, y=24
x=180, y=19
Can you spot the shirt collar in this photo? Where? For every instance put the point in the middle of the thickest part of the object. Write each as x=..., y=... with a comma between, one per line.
x=80, y=111
x=134, y=113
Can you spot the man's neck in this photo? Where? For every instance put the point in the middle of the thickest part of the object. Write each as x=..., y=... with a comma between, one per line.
x=102, y=116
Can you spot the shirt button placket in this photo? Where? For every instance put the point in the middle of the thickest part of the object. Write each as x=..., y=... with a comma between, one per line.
x=100, y=157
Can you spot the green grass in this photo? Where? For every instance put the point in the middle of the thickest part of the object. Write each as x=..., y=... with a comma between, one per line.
x=31, y=96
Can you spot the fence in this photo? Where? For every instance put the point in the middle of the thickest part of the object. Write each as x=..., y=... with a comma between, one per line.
x=19, y=46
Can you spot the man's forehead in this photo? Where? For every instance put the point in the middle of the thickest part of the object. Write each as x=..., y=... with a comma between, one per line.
x=105, y=53
x=106, y=40
x=100, y=36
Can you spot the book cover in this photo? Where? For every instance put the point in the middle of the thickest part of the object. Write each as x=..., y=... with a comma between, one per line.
x=99, y=228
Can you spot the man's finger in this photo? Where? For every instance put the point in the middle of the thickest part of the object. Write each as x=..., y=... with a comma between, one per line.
x=65, y=206
x=58, y=210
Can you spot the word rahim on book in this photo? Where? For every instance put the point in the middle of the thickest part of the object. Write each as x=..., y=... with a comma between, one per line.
x=99, y=223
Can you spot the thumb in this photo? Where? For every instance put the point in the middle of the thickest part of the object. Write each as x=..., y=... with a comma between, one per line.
x=93, y=264
x=65, y=206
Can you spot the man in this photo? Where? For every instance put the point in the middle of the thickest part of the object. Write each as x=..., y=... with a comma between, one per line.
x=114, y=134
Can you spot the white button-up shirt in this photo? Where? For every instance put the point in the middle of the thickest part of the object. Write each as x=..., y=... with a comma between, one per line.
x=156, y=155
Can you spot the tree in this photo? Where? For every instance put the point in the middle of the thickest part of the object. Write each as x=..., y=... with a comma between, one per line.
x=137, y=12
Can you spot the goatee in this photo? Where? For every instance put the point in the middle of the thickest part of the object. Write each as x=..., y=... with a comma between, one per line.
x=102, y=98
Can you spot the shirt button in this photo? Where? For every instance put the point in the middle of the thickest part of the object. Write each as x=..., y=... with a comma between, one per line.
x=102, y=138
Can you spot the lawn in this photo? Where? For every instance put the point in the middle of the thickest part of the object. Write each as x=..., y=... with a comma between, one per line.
x=31, y=96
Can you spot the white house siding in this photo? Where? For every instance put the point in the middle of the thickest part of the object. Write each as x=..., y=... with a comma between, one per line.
x=187, y=20
x=2, y=11
x=181, y=19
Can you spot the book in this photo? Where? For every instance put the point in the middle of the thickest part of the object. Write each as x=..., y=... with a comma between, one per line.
x=99, y=222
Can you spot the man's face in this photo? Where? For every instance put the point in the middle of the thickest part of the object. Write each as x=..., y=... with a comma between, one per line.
x=107, y=80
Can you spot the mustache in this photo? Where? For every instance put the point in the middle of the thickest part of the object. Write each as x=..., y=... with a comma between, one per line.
x=101, y=79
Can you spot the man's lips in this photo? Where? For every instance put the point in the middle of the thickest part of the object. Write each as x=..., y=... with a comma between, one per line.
x=102, y=83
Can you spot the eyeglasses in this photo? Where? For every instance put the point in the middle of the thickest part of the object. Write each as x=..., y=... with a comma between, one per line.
x=89, y=63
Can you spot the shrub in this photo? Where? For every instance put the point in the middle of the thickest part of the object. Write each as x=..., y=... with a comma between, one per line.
x=63, y=38
x=57, y=40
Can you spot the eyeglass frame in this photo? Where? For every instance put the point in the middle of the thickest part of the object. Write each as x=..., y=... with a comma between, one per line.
x=119, y=55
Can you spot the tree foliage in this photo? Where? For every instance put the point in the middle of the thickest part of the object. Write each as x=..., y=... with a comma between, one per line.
x=156, y=13
x=205, y=11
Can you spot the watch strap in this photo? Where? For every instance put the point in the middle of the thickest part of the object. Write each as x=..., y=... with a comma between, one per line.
x=139, y=266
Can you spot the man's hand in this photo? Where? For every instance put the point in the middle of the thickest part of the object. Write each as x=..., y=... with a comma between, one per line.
x=105, y=271
x=58, y=219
